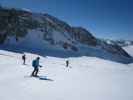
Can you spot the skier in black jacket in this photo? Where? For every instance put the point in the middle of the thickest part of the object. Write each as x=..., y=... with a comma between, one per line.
x=24, y=59
x=67, y=63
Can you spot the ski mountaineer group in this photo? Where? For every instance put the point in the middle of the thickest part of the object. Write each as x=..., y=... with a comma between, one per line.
x=36, y=65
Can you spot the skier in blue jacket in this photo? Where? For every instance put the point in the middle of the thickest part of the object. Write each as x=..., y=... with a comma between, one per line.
x=35, y=64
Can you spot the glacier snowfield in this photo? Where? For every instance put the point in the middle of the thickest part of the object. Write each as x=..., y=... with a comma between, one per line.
x=88, y=78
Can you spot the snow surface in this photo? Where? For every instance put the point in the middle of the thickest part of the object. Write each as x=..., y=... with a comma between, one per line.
x=129, y=49
x=35, y=39
x=89, y=78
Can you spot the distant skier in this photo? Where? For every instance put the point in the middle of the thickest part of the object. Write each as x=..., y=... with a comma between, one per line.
x=24, y=59
x=67, y=63
x=35, y=64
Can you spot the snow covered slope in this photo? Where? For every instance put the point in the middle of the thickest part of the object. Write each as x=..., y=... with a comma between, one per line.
x=129, y=49
x=89, y=78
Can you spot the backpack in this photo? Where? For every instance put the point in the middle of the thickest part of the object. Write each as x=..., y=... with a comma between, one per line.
x=34, y=63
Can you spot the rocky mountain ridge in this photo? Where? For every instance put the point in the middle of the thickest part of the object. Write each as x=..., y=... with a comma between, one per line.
x=36, y=30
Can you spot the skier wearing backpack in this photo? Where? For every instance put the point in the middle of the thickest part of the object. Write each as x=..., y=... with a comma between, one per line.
x=35, y=64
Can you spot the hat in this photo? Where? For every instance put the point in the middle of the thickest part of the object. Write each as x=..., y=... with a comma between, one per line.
x=38, y=57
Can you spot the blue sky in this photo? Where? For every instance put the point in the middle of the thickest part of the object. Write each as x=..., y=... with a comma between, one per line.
x=104, y=18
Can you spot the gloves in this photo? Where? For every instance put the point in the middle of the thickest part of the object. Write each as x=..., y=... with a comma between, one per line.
x=40, y=66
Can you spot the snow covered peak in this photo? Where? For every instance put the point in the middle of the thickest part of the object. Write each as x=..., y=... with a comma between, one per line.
x=121, y=43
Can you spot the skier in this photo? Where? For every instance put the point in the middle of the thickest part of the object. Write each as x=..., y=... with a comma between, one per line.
x=67, y=63
x=24, y=59
x=35, y=64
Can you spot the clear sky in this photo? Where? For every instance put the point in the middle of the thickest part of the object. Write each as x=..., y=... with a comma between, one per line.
x=104, y=18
